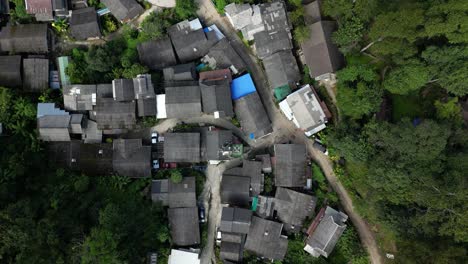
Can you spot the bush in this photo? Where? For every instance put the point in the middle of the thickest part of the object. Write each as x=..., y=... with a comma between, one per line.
x=176, y=176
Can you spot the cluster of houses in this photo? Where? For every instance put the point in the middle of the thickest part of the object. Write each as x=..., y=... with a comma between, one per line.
x=251, y=221
x=203, y=75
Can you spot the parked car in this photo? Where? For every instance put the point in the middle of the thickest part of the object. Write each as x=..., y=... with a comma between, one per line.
x=155, y=164
x=319, y=146
x=218, y=237
x=201, y=214
x=154, y=138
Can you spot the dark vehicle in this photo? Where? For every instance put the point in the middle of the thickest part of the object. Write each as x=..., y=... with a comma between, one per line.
x=318, y=145
x=201, y=214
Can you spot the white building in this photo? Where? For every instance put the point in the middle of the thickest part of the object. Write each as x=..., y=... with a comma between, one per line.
x=304, y=109
x=182, y=256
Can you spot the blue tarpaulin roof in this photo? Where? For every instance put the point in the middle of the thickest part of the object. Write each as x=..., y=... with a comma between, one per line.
x=242, y=86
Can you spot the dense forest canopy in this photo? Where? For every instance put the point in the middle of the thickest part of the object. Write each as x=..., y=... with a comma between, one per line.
x=407, y=169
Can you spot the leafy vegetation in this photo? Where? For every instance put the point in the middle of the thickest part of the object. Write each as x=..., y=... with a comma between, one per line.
x=405, y=172
x=49, y=215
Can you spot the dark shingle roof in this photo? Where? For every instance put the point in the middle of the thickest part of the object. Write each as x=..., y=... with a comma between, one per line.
x=189, y=44
x=31, y=38
x=265, y=240
x=216, y=97
x=84, y=24
x=124, y=10
x=131, y=158
x=281, y=69
x=175, y=195
x=181, y=72
x=146, y=106
x=36, y=74
x=10, y=71
x=312, y=12
x=157, y=54
x=235, y=220
x=182, y=147
x=184, y=226
x=122, y=89
x=321, y=55
x=252, y=116
x=253, y=170
x=111, y=114
x=182, y=194
x=235, y=190
x=293, y=207
x=290, y=165
x=215, y=143
x=231, y=251
x=327, y=233
x=266, y=44
x=92, y=159
x=223, y=56
x=183, y=101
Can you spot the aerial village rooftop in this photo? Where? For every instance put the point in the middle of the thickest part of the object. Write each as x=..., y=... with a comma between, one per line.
x=214, y=96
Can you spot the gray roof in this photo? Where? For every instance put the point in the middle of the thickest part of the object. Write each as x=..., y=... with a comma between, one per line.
x=131, y=158
x=235, y=220
x=281, y=69
x=54, y=127
x=216, y=144
x=312, y=12
x=216, y=97
x=290, y=162
x=276, y=36
x=78, y=97
x=84, y=24
x=183, y=101
x=223, y=56
x=122, y=90
x=104, y=90
x=231, y=251
x=321, y=55
x=265, y=239
x=327, y=233
x=293, y=207
x=143, y=86
x=36, y=74
x=189, y=44
x=253, y=170
x=235, y=190
x=252, y=116
x=77, y=123
x=31, y=38
x=111, y=114
x=92, y=159
x=266, y=43
x=124, y=10
x=239, y=14
x=157, y=54
x=306, y=109
x=184, y=226
x=265, y=206
x=146, y=106
x=182, y=194
x=10, y=71
x=182, y=147
x=174, y=195
x=91, y=134
x=181, y=72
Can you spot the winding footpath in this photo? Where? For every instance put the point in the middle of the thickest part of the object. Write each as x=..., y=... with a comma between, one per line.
x=283, y=131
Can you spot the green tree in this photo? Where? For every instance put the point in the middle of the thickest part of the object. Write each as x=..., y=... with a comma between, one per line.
x=301, y=34
x=359, y=93
x=186, y=9
x=406, y=79
x=450, y=111
x=176, y=176
x=447, y=19
x=155, y=25
x=349, y=34
x=100, y=247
